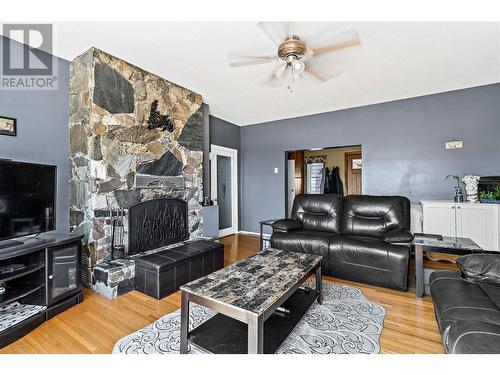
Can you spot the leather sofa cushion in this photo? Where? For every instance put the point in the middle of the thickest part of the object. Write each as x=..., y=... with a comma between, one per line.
x=458, y=299
x=483, y=268
x=304, y=241
x=493, y=292
x=472, y=337
x=374, y=216
x=369, y=260
x=364, y=251
x=286, y=225
x=318, y=212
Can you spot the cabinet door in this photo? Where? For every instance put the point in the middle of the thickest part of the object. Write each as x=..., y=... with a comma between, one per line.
x=479, y=223
x=63, y=271
x=439, y=219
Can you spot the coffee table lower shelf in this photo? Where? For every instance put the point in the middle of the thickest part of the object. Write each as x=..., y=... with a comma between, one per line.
x=224, y=335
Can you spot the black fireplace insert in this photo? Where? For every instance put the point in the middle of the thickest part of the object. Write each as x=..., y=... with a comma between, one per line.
x=157, y=223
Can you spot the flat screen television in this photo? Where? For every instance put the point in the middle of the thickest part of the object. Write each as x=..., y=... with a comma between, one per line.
x=27, y=198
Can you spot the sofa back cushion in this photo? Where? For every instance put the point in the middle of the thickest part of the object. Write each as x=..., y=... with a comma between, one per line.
x=319, y=212
x=374, y=216
x=480, y=268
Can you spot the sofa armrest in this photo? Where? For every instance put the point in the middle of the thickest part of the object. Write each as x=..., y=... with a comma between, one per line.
x=398, y=236
x=286, y=225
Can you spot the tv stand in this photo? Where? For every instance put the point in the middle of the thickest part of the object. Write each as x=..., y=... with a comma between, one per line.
x=10, y=243
x=45, y=281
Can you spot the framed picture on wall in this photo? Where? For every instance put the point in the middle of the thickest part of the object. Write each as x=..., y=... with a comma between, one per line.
x=8, y=126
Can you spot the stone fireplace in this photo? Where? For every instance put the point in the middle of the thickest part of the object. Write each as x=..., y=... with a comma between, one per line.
x=117, y=159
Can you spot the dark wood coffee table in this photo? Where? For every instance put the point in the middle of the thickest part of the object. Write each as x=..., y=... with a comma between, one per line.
x=249, y=291
x=448, y=245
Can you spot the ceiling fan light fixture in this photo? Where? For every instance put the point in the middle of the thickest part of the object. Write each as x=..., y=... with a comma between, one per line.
x=298, y=66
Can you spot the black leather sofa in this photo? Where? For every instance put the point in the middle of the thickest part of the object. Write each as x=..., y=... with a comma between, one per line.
x=467, y=305
x=361, y=237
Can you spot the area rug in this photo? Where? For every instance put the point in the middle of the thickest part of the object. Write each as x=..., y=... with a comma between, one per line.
x=346, y=323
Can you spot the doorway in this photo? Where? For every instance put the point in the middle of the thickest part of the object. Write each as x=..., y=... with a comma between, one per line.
x=331, y=170
x=224, y=187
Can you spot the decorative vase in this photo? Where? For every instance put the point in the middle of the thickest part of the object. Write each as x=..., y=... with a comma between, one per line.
x=459, y=197
x=471, y=183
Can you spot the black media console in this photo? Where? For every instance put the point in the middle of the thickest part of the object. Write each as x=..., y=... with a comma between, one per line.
x=42, y=276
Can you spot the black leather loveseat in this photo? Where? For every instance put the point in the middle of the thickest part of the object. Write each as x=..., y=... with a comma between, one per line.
x=467, y=304
x=361, y=237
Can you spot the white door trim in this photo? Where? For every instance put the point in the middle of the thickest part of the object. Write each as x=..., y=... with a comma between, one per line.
x=233, y=154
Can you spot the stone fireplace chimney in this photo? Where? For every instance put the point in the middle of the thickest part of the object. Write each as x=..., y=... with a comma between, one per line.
x=121, y=153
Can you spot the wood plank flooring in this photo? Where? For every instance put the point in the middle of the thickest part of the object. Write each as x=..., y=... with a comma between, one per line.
x=95, y=325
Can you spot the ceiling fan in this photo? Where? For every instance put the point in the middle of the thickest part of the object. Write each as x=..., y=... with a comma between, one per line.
x=293, y=56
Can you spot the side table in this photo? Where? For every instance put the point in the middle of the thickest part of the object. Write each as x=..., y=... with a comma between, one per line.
x=268, y=222
x=438, y=244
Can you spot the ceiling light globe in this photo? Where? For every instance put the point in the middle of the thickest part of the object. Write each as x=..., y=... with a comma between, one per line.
x=299, y=66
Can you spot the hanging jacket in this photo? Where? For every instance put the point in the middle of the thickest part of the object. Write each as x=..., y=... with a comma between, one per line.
x=334, y=180
x=328, y=183
x=339, y=186
x=322, y=184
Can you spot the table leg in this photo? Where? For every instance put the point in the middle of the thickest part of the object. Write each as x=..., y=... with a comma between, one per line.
x=255, y=335
x=419, y=270
x=319, y=285
x=184, y=322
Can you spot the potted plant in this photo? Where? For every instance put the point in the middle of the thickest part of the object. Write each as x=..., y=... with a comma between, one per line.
x=459, y=197
x=490, y=196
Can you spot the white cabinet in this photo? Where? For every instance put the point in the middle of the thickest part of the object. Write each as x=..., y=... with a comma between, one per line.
x=477, y=221
x=439, y=219
x=480, y=223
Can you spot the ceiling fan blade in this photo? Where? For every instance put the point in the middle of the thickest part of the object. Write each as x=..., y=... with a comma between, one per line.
x=240, y=61
x=275, y=31
x=280, y=70
x=277, y=80
x=321, y=72
x=346, y=39
x=315, y=74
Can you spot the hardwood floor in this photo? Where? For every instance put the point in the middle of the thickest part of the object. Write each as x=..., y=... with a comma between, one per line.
x=95, y=325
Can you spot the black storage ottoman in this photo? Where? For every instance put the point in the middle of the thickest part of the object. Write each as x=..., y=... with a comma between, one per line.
x=162, y=273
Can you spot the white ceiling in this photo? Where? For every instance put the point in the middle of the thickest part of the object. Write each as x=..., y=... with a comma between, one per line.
x=395, y=61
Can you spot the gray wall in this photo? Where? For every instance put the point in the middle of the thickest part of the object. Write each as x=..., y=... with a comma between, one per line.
x=226, y=134
x=403, y=147
x=42, y=132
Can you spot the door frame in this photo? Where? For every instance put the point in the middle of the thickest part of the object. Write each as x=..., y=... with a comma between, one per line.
x=233, y=154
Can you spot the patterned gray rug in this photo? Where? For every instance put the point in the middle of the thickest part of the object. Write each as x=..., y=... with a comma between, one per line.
x=346, y=323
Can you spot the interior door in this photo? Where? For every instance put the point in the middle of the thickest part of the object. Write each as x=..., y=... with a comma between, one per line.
x=224, y=187
x=353, y=172
x=290, y=185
